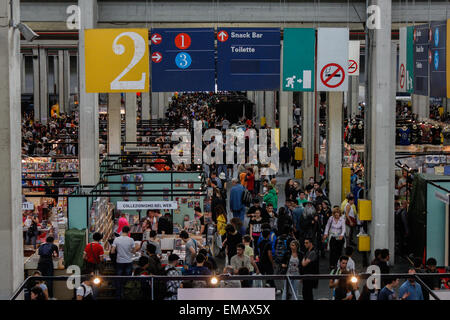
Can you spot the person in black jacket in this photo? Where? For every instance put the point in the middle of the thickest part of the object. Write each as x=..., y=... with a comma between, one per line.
x=290, y=190
x=285, y=157
x=165, y=224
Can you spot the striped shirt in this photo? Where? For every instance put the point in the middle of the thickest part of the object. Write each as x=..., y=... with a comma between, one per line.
x=335, y=228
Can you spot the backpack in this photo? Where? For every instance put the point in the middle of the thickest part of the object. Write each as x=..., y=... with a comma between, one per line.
x=32, y=229
x=247, y=197
x=281, y=247
x=90, y=296
x=160, y=286
x=45, y=250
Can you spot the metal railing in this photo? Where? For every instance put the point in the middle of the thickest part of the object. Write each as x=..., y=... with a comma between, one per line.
x=153, y=279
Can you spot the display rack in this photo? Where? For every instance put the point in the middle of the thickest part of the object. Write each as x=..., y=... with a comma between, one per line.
x=101, y=218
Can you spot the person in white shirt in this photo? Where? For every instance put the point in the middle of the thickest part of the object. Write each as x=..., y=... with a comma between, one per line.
x=335, y=235
x=85, y=290
x=350, y=263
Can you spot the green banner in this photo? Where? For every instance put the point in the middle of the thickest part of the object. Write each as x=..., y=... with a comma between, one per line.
x=410, y=60
x=298, y=59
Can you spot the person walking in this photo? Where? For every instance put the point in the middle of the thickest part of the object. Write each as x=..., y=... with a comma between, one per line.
x=291, y=266
x=236, y=204
x=334, y=235
x=45, y=265
x=285, y=157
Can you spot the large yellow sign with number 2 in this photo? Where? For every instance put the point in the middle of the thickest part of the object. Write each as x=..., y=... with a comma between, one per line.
x=117, y=60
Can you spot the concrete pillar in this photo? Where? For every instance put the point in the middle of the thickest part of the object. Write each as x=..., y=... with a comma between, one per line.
x=36, y=90
x=22, y=74
x=270, y=108
x=114, y=130
x=88, y=132
x=259, y=105
x=11, y=262
x=251, y=96
x=421, y=106
x=145, y=107
x=290, y=110
x=155, y=105
x=60, y=81
x=381, y=119
x=167, y=97
x=130, y=117
x=308, y=104
x=161, y=105
x=335, y=120
x=43, y=85
x=352, y=96
x=66, y=80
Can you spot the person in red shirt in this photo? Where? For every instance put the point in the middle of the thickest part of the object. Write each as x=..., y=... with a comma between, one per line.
x=250, y=181
x=93, y=254
x=122, y=223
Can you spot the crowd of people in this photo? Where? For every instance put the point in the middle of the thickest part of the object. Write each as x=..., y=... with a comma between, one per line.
x=255, y=232
x=59, y=136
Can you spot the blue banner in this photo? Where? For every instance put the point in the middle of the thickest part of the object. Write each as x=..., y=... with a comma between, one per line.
x=422, y=55
x=248, y=59
x=438, y=80
x=183, y=59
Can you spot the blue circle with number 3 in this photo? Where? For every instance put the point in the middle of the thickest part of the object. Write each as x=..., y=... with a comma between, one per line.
x=183, y=60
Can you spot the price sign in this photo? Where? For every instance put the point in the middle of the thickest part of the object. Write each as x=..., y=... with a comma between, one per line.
x=117, y=60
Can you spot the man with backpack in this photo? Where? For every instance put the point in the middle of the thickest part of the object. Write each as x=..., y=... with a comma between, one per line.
x=45, y=265
x=282, y=244
x=172, y=285
x=85, y=290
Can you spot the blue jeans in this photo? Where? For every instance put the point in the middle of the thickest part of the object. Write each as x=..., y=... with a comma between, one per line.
x=122, y=269
x=46, y=269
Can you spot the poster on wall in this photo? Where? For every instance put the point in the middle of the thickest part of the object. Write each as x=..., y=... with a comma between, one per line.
x=438, y=67
x=422, y=58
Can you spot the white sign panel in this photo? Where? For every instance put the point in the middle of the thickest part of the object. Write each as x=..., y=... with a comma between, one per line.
x=226, y=294
x=442, y=294
x=332, y=59
x=27, y=206
x=401, y=83
x=442, y=197
x=353, y=58
x=146, y=205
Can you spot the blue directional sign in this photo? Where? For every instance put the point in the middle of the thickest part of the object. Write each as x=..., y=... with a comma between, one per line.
x=248, y=59
x=183, y=59
x=422, y=58
x=438, y=79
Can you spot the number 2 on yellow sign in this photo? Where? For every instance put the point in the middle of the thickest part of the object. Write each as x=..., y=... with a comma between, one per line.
x=117, y=60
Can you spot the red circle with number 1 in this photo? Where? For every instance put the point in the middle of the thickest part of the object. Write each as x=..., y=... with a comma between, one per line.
x=183, y=41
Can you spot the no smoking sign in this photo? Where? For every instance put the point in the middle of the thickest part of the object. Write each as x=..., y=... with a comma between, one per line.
x=332, y=75
x=352, y=66
x=402, y=76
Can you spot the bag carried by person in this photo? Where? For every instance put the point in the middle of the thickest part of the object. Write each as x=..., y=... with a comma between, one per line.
x=281, y=247
x=247, y=198
x=90, y=296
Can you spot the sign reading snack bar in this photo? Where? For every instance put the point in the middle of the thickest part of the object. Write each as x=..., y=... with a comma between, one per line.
x=147, y=205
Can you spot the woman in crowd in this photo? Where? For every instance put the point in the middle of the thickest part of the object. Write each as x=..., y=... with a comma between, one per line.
x=291, y=266
x=334, y=236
